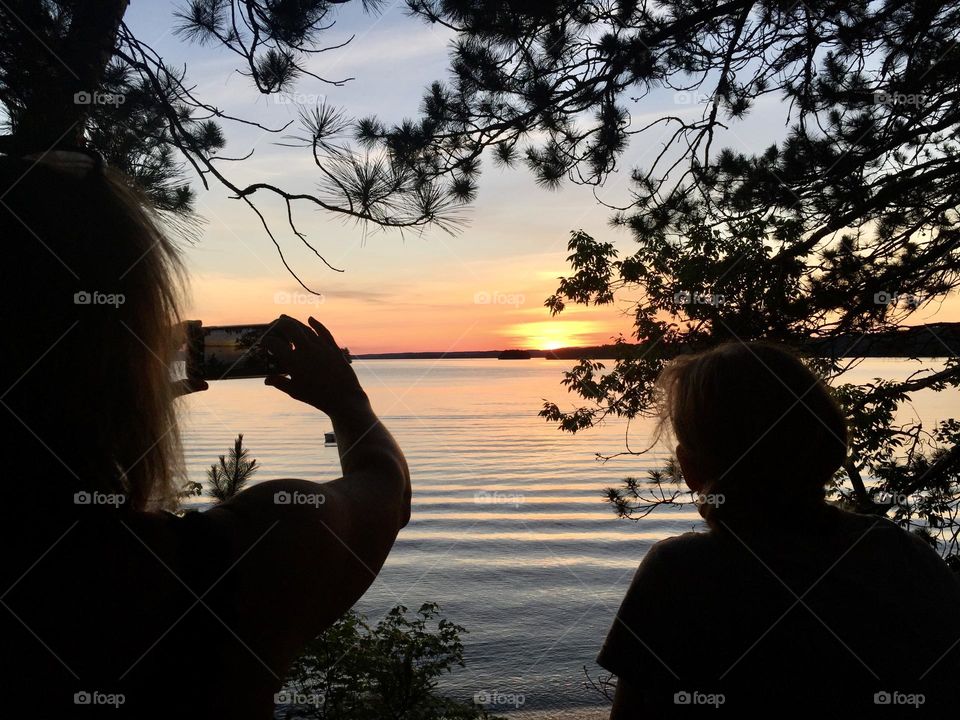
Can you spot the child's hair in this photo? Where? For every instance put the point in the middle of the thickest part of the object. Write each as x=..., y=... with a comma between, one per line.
x=764, y=430
x=92, y=287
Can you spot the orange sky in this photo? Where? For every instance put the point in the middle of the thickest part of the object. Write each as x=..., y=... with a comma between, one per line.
x=482, y=288
x=440, y=315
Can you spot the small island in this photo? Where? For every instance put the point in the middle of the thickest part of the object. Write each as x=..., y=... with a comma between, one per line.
x=514, y=355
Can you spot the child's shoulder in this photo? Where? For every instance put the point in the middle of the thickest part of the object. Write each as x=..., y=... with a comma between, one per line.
x=876, y=525
x=692, y=542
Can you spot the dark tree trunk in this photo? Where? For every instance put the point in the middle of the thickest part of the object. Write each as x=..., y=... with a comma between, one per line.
x=52, y=116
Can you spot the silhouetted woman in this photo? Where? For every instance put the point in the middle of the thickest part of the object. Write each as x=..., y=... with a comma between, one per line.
x=786, y=603
x=113, y=606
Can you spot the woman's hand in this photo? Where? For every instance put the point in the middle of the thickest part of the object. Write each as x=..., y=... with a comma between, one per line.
x=315, y=370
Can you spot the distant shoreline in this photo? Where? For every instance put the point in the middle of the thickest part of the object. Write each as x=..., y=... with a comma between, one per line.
x=932, y=340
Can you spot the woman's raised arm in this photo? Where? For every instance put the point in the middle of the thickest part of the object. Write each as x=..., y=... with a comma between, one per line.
x=307, y=551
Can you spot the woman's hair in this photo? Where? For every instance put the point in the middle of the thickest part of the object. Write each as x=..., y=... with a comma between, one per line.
x=92, y=288
x=761, y=427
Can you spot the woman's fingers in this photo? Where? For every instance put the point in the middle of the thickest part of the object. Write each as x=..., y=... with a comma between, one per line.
x=278, y=348
x=281, y=382
x=295, y=331
x=292, y=329
x=318, y=372
x=322, y=331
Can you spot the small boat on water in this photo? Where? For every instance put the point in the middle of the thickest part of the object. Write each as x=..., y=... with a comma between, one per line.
x=329, y=438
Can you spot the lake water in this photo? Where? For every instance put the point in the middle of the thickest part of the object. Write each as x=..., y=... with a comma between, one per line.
x=510, y=533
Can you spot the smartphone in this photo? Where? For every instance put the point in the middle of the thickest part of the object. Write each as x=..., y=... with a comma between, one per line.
x=187, y=362
x=226, y=351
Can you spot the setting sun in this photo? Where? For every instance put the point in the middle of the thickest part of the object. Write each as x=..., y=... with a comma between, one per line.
x=553, y=334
